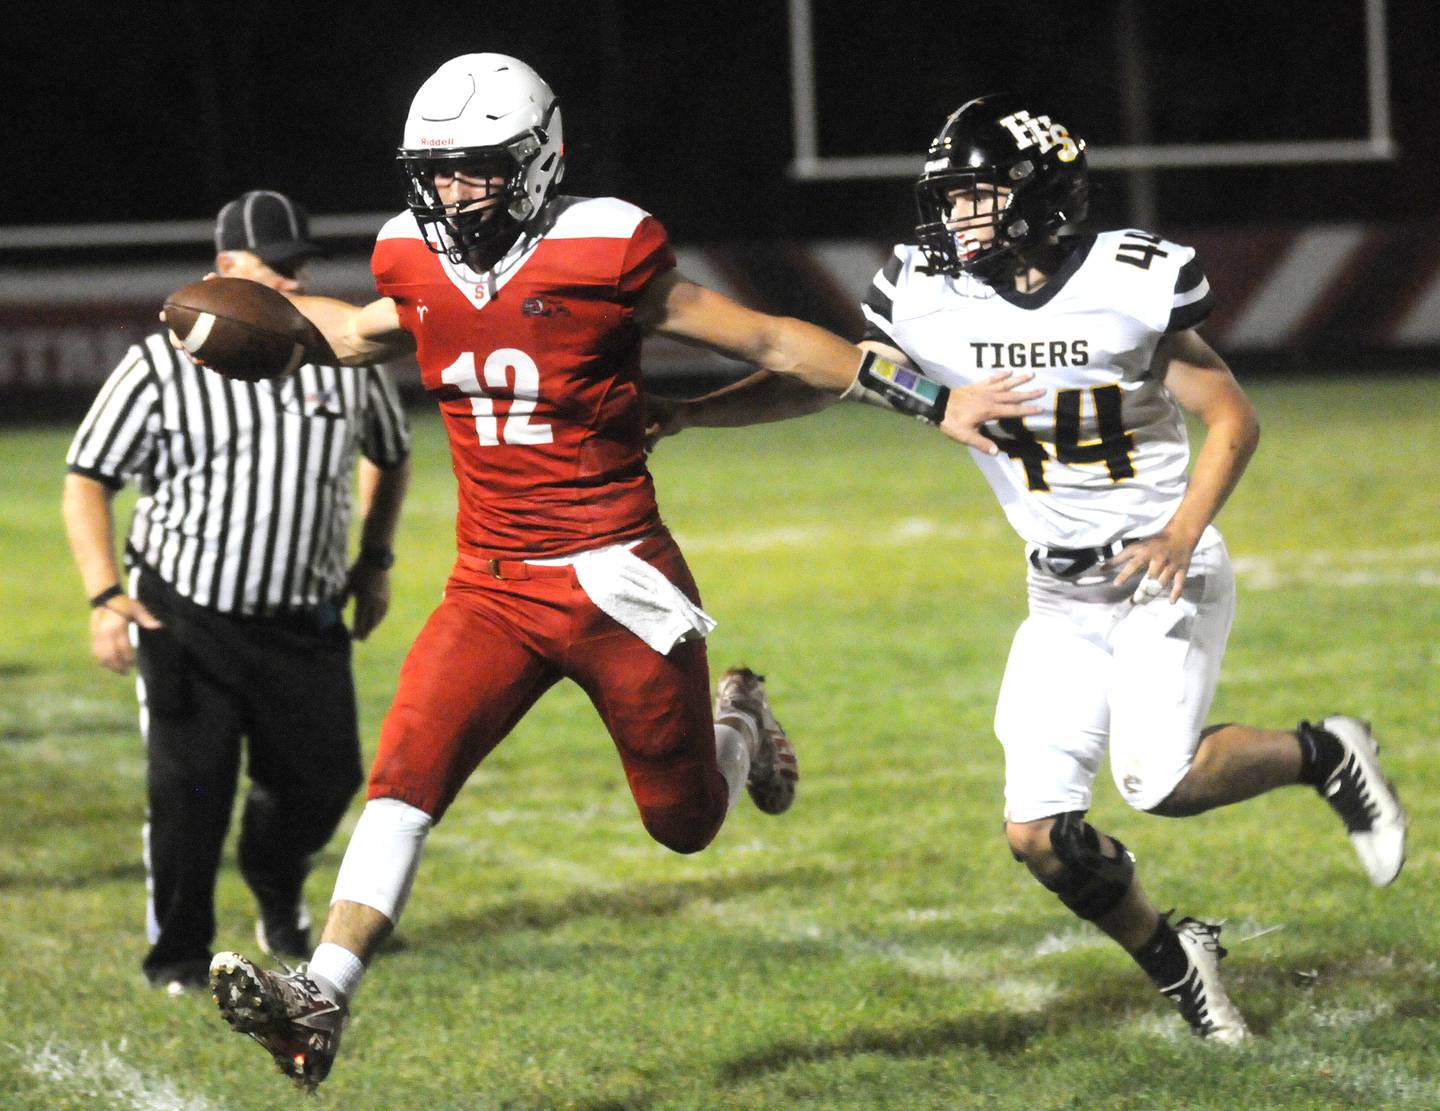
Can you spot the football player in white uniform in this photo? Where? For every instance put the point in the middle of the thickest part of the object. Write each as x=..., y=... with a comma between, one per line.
x=1131, y=592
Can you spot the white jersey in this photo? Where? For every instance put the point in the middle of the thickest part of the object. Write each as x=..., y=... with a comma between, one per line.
x=1106, y=459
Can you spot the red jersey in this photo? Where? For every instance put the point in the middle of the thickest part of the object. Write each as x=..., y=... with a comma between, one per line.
x=536, y=368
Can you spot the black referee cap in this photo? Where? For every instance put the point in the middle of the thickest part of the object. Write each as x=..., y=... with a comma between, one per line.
x=266, y=224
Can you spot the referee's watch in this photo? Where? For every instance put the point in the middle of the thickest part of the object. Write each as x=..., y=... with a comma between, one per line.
x=382, y=559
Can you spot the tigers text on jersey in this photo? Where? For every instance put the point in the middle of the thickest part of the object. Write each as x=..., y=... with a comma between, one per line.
x=536, y=368
x=244, y=501
x=1106, y=458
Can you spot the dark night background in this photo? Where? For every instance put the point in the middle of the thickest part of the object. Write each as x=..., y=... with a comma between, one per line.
x=163, y=111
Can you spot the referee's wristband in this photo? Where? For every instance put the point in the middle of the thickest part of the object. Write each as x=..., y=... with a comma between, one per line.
x=382, y=559
x=902, y=389
x=105, y=596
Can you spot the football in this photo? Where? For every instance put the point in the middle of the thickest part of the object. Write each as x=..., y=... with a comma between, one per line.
x=243, y=329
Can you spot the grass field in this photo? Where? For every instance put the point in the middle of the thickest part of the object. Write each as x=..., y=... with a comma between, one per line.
x=874, y=948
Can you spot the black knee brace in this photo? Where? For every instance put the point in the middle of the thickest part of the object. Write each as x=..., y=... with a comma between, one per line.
x=1092, y=884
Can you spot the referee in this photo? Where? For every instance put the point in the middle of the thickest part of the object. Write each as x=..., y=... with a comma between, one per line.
x=236, y=573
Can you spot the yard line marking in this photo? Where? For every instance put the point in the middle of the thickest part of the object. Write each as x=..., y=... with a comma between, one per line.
x=1068, y=942
x=1342, y=1018
x=1380, y=1081
x=881, y=534
x=938, y=961
x=102, y=1073
x=1331, y=663
x=1026, y=996
x=1346, y=567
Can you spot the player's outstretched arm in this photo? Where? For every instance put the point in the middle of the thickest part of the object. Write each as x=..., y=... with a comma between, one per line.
x=805, y=354
x=675, y=307
x=1201, y=383
x=758, y=399
x=358, y=334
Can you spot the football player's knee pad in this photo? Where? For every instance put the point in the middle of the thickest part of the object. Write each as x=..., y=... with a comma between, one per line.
x=379, y=865
x=1091, y=884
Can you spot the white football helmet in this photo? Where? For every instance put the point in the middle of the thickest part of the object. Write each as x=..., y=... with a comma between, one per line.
x=494, y=115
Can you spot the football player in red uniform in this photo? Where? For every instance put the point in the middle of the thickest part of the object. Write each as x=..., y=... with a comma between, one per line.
x=526, y=310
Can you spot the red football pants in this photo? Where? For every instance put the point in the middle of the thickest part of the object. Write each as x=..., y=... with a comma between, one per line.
x=496, y=644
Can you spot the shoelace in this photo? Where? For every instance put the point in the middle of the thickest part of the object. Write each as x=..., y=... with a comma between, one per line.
x=1348, y=793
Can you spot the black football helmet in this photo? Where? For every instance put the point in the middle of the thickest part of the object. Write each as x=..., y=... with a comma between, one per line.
x=990, y=143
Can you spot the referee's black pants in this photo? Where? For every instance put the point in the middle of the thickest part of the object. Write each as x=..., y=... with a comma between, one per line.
x=206, y=681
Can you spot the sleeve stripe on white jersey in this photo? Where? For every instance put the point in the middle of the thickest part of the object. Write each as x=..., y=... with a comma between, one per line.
x=1201, y=290
x=1193, y=299
x=1191, y=315
x=1190, y=276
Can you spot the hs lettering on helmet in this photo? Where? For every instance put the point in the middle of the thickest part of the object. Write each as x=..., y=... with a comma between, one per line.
x=1035, y=355
x=1029, y=131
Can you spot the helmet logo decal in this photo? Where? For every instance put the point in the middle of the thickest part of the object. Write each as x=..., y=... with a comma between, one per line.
x=1029, y=131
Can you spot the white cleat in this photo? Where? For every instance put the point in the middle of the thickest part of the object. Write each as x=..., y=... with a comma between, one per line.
x=1365, y=800
x=1199, y=994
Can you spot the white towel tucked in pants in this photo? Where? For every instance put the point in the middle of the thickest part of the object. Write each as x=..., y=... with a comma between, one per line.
x=639, y=597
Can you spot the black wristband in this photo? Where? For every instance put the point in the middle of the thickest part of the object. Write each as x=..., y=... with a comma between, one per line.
x=105, y=596
x=382, y=559
x=903, y=390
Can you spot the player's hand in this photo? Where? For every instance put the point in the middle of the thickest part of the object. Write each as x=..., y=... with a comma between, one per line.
x=663, y=417
x=110, y=632
x=369, y=585
x=1000, y=395
x=1161, y=561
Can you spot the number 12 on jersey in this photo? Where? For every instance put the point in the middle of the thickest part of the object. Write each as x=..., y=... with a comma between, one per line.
x=517, y=428
x=1113, y=448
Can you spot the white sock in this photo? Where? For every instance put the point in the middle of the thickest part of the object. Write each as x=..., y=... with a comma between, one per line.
x=732, y=750
x=337, y=972
x=384, y=852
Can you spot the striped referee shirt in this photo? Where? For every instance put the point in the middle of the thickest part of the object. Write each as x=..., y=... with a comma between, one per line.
x=245, y=487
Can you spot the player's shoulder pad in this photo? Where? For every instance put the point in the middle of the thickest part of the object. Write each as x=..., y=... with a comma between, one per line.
x=594, y=218
x=1152, y=278
x=908, y=289
x=401, y=226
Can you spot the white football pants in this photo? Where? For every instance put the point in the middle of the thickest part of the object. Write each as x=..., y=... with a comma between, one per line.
x=1089, y=669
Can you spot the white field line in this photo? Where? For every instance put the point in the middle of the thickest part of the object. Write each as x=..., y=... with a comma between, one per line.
x=1332, y=663
x=101, y=1074
x=1356, y=567
x=1362, y=567
x=1374, y=1080
x=938, y=961
x=879, y=534
x=1070, y=941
